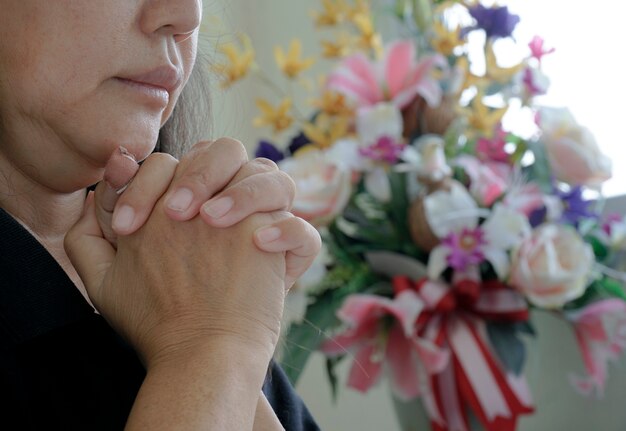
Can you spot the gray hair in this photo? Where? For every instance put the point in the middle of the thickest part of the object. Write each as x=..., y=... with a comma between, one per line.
x=191, y=119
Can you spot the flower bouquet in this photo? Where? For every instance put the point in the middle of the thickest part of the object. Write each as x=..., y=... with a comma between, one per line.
x=450, y=204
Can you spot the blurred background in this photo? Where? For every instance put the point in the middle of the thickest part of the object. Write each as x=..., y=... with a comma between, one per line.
x=585, y=76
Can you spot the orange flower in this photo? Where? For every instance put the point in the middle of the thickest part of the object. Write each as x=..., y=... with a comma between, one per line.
x=278, y=118
x=333, y=13
x=239, y=61
x=326, y=130
x=334, y=104
x=290, y=63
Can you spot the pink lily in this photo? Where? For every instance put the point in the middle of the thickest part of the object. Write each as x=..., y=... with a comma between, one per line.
x=601, y=334
x=488, y=179
x=525, y=198
x=397, y=79
x=374, y=346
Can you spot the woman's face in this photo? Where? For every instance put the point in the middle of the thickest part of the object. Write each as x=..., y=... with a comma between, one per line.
x=78, y=78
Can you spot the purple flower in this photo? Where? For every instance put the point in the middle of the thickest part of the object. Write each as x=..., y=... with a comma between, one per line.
x=298, y=142
x=465, y=248
x=496, y=21
x=386, y=149
x=269, y=151
x=575, y=208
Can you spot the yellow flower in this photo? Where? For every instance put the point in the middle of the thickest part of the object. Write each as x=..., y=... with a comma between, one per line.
x=361, y=7
x=445, y=40
x=278, y=118
x=338, y=48
x=290, y=63
x=369, y=39
x=334, y=104
x=239, y=61
x=326, y=130
x=481, y=118
x=497, y=73
x=333, y=13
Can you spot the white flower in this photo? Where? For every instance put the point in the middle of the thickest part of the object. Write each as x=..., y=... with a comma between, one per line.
x=552, y=266
x=375, y=122
x=572, y=150
x=323, y=186
x=451, y=210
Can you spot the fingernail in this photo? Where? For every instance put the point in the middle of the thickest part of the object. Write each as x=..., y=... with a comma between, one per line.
x=219, y=208
x=180, y=200
x=268, y=234
x=123, y=218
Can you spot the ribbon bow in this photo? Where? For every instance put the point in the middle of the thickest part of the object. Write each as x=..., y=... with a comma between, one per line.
x=454, y=319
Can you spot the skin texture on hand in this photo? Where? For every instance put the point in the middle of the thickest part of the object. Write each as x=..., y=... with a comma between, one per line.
x=214, y=173
x=119, y=171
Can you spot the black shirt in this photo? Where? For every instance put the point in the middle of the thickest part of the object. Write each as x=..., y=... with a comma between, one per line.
x=62, y=367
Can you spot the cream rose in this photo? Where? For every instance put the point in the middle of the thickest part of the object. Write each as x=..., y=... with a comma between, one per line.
x=572, y=150
x=322, y=185
x=552, y=266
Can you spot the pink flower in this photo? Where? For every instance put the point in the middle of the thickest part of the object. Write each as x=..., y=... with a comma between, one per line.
x=465, y=248
x=323, y=186
x=488, y=180
x=398, y=78
x=537, y=49
x=493, y=149
x=552, y=266
x=367, y=317
x=601, y=335
x=572, y=150
x=385, y=149
x=524, y=198
x=535, y=81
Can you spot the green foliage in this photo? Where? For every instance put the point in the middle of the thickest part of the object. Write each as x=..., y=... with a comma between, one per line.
x=304, y=338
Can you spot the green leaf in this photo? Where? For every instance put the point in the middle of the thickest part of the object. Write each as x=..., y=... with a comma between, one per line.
x=540, y=171
x=509, y=348
x=613, y=288
x=331, y=363
x=304, y=338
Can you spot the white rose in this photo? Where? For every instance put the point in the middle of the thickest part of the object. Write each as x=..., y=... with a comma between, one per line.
x=323, y=186
x=572, y=150
x=552, y=266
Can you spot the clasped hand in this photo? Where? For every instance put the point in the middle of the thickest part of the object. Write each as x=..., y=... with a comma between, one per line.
x=192, y=250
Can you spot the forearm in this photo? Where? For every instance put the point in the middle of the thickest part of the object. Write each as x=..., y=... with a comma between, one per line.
x=204, y=390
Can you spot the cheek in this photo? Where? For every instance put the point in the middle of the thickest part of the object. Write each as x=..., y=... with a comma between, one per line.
x=187, y=55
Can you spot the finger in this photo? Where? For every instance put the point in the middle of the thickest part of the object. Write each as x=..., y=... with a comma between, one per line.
x=259, y=165
x=202, y=173
x=135, y=205
x=264, y=192
x=300, y=240
x=90, y=253
x=118, y=172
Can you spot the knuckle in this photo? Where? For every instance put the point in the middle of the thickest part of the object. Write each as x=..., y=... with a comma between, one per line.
x=266, y=163
x=232, y=146
x=288, y=185
x=248, y=189
x=159, y=159
x=200, y=177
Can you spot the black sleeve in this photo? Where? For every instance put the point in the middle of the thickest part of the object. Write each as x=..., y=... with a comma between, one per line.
x=291, y=411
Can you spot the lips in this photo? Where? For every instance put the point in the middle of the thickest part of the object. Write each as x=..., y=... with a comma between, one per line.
x=166, y=78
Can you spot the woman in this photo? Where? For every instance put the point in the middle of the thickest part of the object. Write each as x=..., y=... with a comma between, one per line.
x=189, y=264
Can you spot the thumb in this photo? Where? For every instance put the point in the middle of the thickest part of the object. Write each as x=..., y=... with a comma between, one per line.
x=118, y=172
x=88, y=250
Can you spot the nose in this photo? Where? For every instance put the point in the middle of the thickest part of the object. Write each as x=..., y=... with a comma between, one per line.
x=178, y=18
